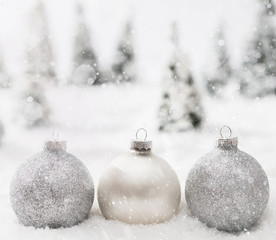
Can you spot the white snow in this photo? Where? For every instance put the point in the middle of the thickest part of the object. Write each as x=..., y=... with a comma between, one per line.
x=99, y=123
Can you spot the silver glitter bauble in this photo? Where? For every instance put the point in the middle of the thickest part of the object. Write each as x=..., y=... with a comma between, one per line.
x=139, y=187
x=53, y=188
x=227, y=189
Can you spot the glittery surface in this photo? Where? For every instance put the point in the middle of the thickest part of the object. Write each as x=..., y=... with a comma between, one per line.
x=53, y=188
x=139, y=188
x=227, y=189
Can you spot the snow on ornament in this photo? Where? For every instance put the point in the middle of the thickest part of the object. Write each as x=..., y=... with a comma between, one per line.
x=52, y=189
x=139, y=187
x=227, y=188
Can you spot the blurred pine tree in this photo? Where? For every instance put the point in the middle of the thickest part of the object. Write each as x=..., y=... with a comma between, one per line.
x=181, y=105
x=259, y=65
x=85, y=63
x=123, y=69
x=218, y=78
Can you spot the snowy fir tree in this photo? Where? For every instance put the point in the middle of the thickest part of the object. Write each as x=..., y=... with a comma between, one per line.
x=181, y=106
x=1, y=132
x=5, y=80
x=259, y=78
x=38, y=71
x=39, y=55
x=218, y=78
x=33, y=103
x=85, y=63
x=123, y=68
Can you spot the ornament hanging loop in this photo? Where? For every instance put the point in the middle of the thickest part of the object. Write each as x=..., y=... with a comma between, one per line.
x=55, y=144
x=55, y=135
x=141, y=144
x=229, y=129
x=139, y=130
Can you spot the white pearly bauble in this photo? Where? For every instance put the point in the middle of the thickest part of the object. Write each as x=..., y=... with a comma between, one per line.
x=139, y=187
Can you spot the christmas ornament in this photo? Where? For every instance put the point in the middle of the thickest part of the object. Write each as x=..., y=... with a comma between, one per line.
x=52, y=188
x=227, y=189
x=139, y=187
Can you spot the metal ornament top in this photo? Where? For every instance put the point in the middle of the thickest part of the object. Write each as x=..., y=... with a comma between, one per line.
x=227, y=142
x=55, y=144
x=141, y=145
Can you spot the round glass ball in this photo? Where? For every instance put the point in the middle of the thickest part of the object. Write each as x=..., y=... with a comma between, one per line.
x=227, y=188
x=139, y=188
x=52, y=189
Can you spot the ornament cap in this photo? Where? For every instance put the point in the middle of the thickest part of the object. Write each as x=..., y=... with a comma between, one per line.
x=141, y=145
x=227, y=142
x=55, y=144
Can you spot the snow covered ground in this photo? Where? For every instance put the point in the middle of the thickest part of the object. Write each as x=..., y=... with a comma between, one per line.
x=99, y=123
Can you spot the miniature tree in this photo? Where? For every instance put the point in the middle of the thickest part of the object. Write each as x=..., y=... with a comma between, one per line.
x=39, y=55
x=5, y=80
x=39, y=71
x=34, y=107
x=218, y=78
x=181, y=107
x=123, y=68
x=259, y=78
x=85, y=63
x=2, y=132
